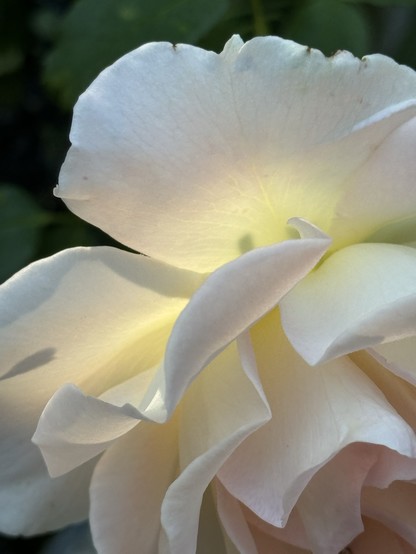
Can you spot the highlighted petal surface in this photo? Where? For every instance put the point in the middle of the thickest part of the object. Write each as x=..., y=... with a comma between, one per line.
x=360, y=296
x=209, y=149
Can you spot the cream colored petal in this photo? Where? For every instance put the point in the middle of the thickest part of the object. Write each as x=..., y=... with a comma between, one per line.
x=399, y=357
x=361, y=296
x=379, y=200
x=232, y=299
x=85, y=315
x=399, y=393
x=316, y=412
x=128, y=488
x=220, y=409
x=232, y=518
x=217, y=150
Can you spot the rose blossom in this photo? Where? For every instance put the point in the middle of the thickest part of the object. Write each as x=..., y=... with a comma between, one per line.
x=260, y=359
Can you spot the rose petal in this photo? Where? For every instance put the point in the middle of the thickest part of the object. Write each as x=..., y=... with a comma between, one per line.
x=395, y=507
x=232, y=518
x=329, y=506
x=370, y=200
x=216, y=137
x=85, y=316
x=399, y=393
x=214, y=422
x=360, y=296
x=60, y=324
x=316, y=412
x=35, y=502
x=399, y=357
x=377, y=538
x=128, y=487
x=232, y=299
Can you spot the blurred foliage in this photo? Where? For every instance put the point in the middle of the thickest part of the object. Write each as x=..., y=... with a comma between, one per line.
x=50, y=50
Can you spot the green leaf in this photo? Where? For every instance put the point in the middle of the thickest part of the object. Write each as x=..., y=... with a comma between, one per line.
x=97, y=32
x=21, y=220
x=330, y=25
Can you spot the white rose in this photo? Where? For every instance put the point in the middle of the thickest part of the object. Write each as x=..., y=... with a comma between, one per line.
x=260, y=359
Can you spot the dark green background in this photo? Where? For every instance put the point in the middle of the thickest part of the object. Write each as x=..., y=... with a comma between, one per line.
x=50, y=50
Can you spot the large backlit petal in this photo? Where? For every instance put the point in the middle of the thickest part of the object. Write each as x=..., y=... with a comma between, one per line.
x=214, y=150
x=362, y=295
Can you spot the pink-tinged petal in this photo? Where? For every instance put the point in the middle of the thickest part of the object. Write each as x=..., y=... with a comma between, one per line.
x=218, y=139
x=399, y=357
x=395, y=507
x=329, y=506
x=360, y=296
x=380, y=198
x=232, y=299
x=128, y=487
x=399, y=393
x=378, y=539
x=316, y=412
x=221, y=408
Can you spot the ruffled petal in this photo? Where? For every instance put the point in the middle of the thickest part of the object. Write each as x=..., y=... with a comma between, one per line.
x=221, y=408
x=216, y=137
x=360, y=296
x=128, y=487
x=395, y=507
x=378, y=538
x=233, y=298
x=329, y=506
x=316, y=412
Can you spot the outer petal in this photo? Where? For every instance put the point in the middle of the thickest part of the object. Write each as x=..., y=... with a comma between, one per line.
x=128, y=487
x=82, y=316
x=360, y=296
x=221, y=140
x=316, y=413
